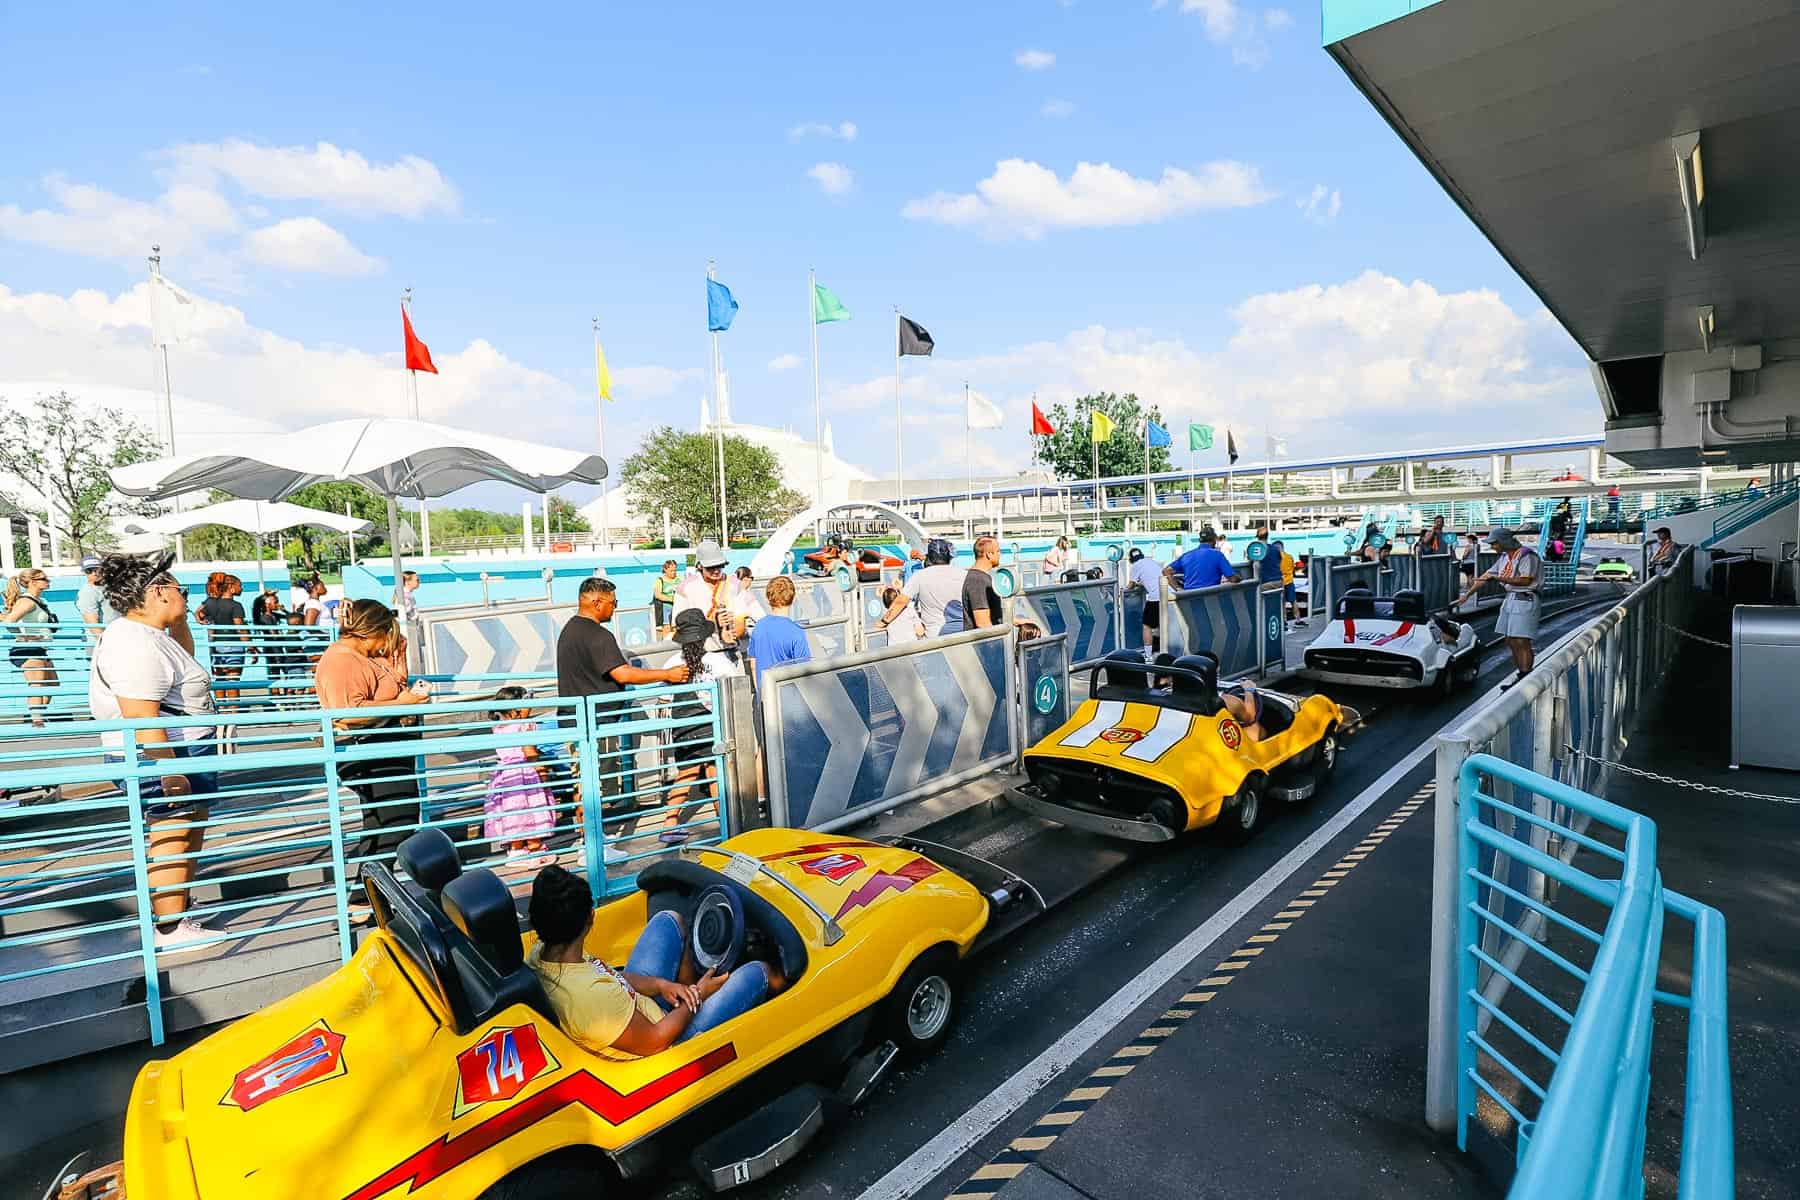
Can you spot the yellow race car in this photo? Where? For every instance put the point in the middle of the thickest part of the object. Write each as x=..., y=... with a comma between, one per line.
x=1154, y=753
x=431, y=1064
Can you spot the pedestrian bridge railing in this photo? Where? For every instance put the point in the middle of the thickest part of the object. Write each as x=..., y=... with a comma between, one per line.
x=1566, y=721
x=253, y=667
x=266, y=846
x=1556, y=989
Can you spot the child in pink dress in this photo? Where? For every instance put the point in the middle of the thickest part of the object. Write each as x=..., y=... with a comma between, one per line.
x=518, y=810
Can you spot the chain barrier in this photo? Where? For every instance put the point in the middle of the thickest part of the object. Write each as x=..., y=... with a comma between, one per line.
x=1672, y=781
x=1694, y=637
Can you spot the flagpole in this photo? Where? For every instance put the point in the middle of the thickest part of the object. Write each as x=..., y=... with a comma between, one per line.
x=600, y=409
x=719, y=426
x=1095, y=531
x=412, y=378
x=812, y=314
x=160, y=332
x=968, y=446
x=1146, y=470
x=1230, y=475
x=899, y=433
x=1036, y=483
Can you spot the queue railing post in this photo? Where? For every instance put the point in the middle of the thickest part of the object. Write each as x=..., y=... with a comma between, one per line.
x=140, y=875
x=334, y=808
x=593, y=801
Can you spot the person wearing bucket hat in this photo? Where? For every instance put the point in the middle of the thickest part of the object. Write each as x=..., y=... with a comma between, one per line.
x=1519, y=572
x=707, y=587
x=692, y=749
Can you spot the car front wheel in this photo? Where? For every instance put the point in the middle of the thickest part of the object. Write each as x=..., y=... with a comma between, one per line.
x=1245, y=812
x=919, y=1011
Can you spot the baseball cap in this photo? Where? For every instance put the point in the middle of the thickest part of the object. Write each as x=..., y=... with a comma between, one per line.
x=709, y=555
x=1136, y=555
x=1503, y=538
x=89, y=561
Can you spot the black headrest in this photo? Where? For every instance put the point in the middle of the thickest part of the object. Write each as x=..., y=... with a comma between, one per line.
x=1356, y=602
x=1126, y=668
x=1409, y=605
x=1163, y=659
x=429, y=858
x=1203, y=663
x=479, y=904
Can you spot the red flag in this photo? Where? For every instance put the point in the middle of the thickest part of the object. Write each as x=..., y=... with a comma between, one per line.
x=1039, y=426
x=418, y=354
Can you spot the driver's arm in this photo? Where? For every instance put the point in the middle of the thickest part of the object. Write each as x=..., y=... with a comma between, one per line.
x=644, y=1036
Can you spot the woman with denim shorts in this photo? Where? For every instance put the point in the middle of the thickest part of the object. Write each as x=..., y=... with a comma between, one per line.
x=143, y=667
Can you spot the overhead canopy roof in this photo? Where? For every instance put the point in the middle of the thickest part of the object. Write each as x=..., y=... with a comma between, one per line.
x=1550, y=122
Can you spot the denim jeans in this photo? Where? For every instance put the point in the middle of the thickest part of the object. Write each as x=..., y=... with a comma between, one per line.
x=658, y=953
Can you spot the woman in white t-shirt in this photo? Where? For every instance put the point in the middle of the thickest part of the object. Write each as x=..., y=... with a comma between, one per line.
x=1056, y=561
x=144, y=667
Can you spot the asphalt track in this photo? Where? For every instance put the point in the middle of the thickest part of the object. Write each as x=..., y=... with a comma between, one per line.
x=1024, y=997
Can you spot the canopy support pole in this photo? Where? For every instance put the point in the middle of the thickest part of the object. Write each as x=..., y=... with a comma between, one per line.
x=394, y=542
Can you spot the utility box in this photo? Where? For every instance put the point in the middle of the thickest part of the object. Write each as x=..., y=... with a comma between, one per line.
x=1765, y=681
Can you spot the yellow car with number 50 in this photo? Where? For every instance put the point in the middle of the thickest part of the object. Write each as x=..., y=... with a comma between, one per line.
x=431, y=1065
x=1154, y=753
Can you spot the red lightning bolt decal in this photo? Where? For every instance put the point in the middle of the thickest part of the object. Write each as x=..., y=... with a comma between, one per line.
x=444, y=1155
x=1405, y=628
x=815, y=848
x=882, y=881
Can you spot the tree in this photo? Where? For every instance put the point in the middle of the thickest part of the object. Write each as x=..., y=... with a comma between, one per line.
x=332, y=496
x=680, y=472
x=566, y=518
x=1070, y=454
x=63, y=450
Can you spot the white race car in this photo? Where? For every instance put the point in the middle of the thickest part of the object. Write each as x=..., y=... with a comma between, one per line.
x=1391, y=642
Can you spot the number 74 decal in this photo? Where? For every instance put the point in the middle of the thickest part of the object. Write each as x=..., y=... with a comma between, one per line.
x=499, y=1066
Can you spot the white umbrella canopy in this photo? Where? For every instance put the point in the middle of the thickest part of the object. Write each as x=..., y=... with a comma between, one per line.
x=250, y=516
x=389, y=457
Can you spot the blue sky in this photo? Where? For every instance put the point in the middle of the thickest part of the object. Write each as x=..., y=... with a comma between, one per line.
x=525, y=170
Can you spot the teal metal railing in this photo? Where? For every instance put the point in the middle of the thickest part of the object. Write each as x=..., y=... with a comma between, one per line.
x=1694, y=502
x=1557, y=984
x=269, y=851
x=253, y=666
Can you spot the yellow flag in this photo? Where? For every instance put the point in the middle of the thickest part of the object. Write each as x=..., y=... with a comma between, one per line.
x=1101, y=428
x=602, y=376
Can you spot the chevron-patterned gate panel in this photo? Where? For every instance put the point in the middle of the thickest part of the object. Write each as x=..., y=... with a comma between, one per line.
x=1222, y=619
x=1084, y=611
x=1437, y=580
x=1342, y=575
x=843, y=742
x=1043, y=687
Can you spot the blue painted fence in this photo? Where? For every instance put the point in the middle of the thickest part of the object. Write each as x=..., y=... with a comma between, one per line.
x=1242, y=623
x=1087, y=612
x=288, y=817
x=1555, y=1026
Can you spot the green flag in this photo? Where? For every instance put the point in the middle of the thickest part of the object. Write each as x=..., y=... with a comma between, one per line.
x=1199, y=437
x=827, y=307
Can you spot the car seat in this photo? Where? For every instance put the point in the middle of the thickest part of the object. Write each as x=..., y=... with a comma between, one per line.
x=430, y=860
x=1357, y=604
x=489, y=957
x=1409, y=605
x=1196, y=682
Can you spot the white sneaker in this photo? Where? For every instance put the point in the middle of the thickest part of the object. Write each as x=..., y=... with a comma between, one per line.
x=183, y=937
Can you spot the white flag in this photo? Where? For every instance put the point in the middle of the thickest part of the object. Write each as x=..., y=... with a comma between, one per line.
x=1278, y=445
x=171, y=312
x=984, y=413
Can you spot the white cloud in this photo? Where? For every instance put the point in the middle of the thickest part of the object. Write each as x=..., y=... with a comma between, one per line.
x=1057, y=108
x=1035, y=60
x=1277, y=18
x=408, y=187
x=1368, y=362
x=307, y=244
x=1321, y=205
x=1221, y=16
x=94, y=222
x=834, y=179
x=1026, y=198
x=843, y=131
x=785, y=362
x=1227, y=23
x=651, y=383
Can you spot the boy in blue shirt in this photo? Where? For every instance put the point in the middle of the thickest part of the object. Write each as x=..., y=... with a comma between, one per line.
x=777, y=638
x=1201, y=567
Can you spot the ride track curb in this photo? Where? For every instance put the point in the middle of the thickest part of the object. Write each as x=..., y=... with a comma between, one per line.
x=1023, y=1151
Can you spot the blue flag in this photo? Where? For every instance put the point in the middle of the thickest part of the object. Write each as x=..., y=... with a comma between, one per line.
x=1155, y=435
x=720, y=307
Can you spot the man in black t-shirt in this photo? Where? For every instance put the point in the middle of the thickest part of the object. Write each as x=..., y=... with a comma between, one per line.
x=590, y=663
x=980, y=602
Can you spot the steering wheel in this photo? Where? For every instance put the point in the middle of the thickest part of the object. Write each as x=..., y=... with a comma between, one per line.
x=718, y=929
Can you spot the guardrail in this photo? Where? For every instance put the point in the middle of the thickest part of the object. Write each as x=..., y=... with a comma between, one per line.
x=1243, y=623
x=267, y=845
x=848, y=738
x=1697, y=503
x=1088, y=612
x=253, y=666
x=1576, y=708
x=1569, y=1067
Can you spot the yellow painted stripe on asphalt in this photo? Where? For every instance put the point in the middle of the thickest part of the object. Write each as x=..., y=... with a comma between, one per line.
x=1288, y=915
x=1179, y=1014
x=1215, y=980
x=1114, y=1070
x=1254, y=938
x=1280, y=924
x=1088, y=1093
x=1312, y=892
x=1031, y=1145
x=1245, y=953
x=1301, y=903
x=999, y=1171
x=1061, y=1118
x=1228, y=965
x=1134, y=1051
x=1158, y=1031
x=1201, y=997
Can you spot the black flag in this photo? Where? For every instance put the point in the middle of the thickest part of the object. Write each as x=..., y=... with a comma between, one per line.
x=913, y=338
x=1230, y=445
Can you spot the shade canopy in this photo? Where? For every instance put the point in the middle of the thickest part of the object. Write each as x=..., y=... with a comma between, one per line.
x=251, y=516
x=390, y=457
